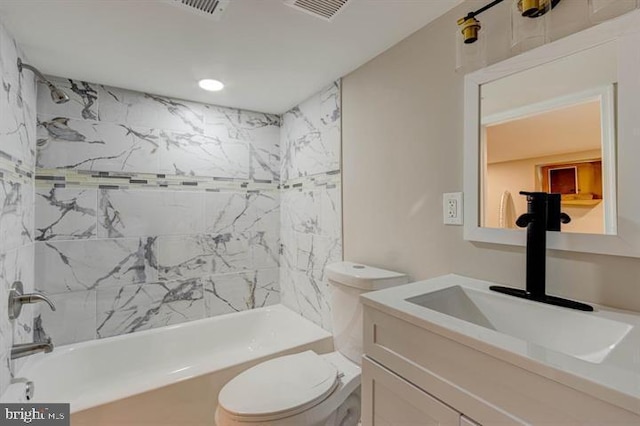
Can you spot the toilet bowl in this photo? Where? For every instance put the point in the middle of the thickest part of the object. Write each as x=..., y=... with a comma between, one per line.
x=308, y=389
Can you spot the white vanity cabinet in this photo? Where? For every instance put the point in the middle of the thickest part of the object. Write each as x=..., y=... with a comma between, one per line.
x=389, y=400
x=416, y=375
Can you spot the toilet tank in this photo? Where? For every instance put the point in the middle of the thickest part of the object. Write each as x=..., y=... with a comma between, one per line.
x=347, y=282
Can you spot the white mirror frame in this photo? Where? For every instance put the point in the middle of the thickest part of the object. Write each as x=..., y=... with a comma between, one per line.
x=625, y=32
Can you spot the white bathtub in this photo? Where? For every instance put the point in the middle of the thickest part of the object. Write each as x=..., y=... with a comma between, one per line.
x=166, y=376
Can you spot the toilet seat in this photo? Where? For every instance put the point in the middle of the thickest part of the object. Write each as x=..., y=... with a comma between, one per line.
x=279, y=388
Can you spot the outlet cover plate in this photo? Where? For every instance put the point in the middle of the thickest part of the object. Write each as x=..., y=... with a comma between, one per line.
x=452, y=208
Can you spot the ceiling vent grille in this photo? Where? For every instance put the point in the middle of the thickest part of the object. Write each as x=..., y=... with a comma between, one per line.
x=209, y=8
x=324, y=9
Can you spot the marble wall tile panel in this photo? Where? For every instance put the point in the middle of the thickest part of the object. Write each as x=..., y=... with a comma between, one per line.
x=255, y=215
x=315, y=252
x=65, y=213
x=307, y=293
x=17, y=119
x=265, y=250
x=242, y=125
x=263, y=165
x=261, y=132
x=311, y=205
x=74, y=319
x=241, y=291
x=300, y=211
x=331, y=211
x=5, y=371
x=266, y=210
x=193, y=256
x=9, y=52
x=17, y=162
x=67, y=266
x=82, y=104
x=66, y=143
x=149, y=305
x=6, y=333
x=133, y=213
x=147, y=110
x=310, y=136
x=193, y=154
x=6, y=328
x=16, y=214
x=17, y=265
x=17, y=106
x=288, y=248
x=229, y=212
x=265, y=244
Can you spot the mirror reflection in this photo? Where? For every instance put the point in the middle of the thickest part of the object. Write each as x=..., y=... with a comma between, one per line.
x=551, y=128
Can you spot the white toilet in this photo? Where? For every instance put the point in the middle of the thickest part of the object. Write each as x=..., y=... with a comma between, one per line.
x=307, y=389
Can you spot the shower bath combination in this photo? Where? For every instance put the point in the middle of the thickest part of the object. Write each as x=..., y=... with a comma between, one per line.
x=57, y=95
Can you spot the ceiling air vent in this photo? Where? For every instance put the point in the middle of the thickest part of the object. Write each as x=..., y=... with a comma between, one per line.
x=209, y=8
x=324, y=9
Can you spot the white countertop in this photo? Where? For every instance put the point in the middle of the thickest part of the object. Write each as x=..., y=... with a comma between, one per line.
x=616, y=379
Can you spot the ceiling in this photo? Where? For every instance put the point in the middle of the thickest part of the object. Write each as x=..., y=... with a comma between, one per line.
x=571, y=129
x=270, y=56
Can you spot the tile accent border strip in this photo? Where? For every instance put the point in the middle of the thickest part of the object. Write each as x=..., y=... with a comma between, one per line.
x=46, y=178
x=10, y=170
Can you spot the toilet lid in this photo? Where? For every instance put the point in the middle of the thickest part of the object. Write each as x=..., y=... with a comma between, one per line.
x=279, y=387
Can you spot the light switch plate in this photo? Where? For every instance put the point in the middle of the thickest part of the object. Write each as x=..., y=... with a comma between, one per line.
x=452, y=208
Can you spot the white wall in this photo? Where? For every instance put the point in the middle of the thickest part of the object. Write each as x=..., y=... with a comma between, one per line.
x=403, y=147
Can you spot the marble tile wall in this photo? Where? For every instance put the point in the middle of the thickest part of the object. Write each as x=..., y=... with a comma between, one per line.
x=311, y=202
x=152, y=211
x=17, y=162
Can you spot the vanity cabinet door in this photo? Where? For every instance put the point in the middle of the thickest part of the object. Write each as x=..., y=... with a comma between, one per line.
x=388, y=400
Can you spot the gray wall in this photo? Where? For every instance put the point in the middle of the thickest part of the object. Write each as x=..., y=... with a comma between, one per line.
x=17, y=164
x=403, y=147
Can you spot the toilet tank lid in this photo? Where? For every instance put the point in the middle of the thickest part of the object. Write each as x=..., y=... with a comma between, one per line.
x=364, y=277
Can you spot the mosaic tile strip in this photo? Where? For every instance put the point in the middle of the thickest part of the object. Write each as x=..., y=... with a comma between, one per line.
x=14, y=172
x=147, y=181
x=117, y=180
x=329, y=179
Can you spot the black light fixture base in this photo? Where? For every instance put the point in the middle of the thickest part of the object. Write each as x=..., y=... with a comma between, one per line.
x=550, y=300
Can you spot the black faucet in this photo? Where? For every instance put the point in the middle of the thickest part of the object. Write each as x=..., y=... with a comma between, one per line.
x=543, y=214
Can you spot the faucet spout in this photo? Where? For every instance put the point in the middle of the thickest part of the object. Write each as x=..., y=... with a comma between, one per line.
x=17, y=299
x=543, y=214
x=26, y=349
x=36, y=297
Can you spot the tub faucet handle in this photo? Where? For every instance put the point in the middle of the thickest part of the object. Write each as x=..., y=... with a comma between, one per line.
x=17, y=299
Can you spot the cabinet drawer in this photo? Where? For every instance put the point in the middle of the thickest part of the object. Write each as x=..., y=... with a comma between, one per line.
x=485, y=388
x=388, y=400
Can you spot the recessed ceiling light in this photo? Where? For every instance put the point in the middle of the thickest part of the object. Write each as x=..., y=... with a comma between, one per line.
x=211, y=85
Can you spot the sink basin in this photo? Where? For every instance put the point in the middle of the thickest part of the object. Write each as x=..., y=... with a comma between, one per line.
x=581, y=335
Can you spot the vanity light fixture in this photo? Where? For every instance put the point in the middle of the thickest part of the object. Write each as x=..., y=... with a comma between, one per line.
x=470, y=26
x=211, y=85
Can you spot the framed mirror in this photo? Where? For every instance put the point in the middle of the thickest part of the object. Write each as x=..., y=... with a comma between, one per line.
x=559, y=118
